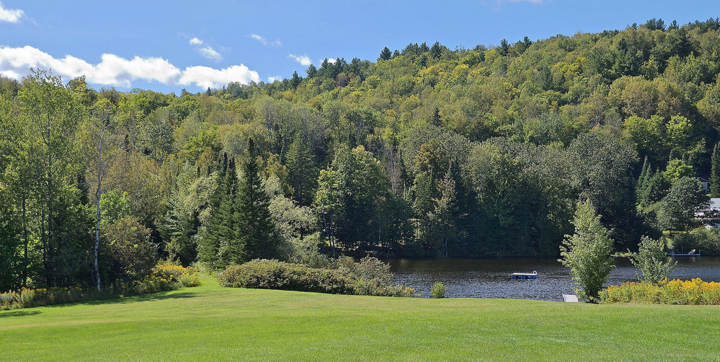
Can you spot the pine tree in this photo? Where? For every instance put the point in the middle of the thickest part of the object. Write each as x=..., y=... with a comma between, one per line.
x=436, y=50
x=436, y=121
x=385, y=54
x=642, y=182
x=219, y=235
x=256, y=230
x=225, y=233
x=302, y=173
x=715, y=172
x=295, y=80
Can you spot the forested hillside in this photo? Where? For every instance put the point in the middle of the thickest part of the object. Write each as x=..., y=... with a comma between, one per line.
x=427, y=151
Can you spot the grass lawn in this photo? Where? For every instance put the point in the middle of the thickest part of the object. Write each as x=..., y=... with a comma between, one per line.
x=210, y=322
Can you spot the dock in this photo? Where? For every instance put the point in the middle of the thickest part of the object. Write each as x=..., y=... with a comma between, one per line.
x=691, y=253
x=531, y=276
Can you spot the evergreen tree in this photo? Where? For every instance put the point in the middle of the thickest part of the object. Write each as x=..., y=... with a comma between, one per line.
x=219, y=238
x=385, y=54
x=715, y=172
x=654, y=189
x=256, y=231
x=436, y=121
x=302, y=173
x=642, y=182
x=295, y=80
x=436, y=50
x=311, y=71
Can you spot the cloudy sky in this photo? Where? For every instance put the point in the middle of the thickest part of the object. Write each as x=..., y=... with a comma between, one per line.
x=171, y=45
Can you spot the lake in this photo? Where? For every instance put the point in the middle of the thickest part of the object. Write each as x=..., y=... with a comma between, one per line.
x=490, y=278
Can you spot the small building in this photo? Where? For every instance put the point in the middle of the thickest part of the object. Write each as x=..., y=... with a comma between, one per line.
x=712, y=211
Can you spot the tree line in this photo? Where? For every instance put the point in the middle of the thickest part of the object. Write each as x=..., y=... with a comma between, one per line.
x=426, y=151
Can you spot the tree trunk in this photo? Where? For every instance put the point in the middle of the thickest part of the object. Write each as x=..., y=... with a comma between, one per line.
x=25, y=234
x=98, y=194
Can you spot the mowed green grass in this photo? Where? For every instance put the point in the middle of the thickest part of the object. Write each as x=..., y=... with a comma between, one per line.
x=210, y=322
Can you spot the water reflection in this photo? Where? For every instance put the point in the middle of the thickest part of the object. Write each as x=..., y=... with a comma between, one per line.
x=490, y=278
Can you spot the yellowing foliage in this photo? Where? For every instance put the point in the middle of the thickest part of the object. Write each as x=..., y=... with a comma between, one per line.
x=695, y=291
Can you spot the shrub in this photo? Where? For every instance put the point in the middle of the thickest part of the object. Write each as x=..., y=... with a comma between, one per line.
x=25, y=298
x=187, y=276
x=164, y=276
x=438, y=290
x=307, y=251
x=652, y=260
x=369, y=268
x=273, y=274
x=693, y=291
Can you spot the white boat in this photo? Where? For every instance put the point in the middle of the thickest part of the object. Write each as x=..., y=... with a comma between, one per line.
x=532, y=275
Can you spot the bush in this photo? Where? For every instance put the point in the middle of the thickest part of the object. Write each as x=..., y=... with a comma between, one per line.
x=369, y=268
x=25, y=298
x=164, y=276
x=693, y=291
x=652, y=260
x=273, y=274
x=438, y=290
x=186, y=276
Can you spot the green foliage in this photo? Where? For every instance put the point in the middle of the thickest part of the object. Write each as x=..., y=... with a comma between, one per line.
x=588, y=251
x=11, y=262
x=677, y=169
x=272, y=274
x=652, y=260
x=302, y=171
x=219, y=232
x=163, y=277
x=351, y=199
x=677, y=209
x=368, y=268
x=703, y=239
x=128, y=253
x=114, y=206
x=438, y=290
x=428, y=151
x=254, y=226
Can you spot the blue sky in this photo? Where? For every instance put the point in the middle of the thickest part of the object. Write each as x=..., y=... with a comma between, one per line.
x=147, y=44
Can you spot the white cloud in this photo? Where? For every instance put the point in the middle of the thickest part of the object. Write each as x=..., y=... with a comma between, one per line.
x=114, y=70
x=273, y=79
x=207, y=77
x=10, y=15
x=331, y=60
x=210, y=53
x=207, y=51
x=265, y=42
x=304, y=60
x=10, y=74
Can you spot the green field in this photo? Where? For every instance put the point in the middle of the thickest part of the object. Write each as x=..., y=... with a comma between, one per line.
x=210, y=322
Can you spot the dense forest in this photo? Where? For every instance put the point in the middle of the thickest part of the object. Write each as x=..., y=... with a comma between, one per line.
x=427, y=151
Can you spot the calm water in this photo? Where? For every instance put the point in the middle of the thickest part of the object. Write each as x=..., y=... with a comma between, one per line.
x=490, y=278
